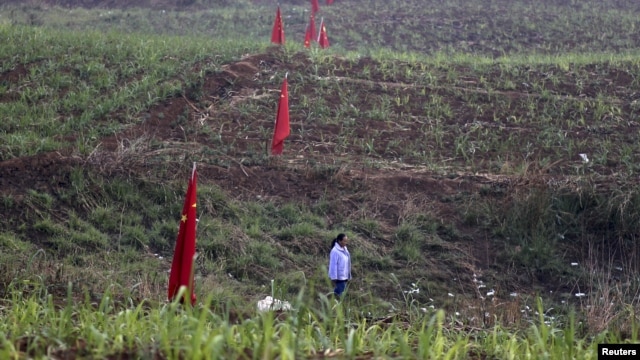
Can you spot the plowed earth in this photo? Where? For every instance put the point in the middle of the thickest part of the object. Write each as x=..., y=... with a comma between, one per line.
x=389, y=189
x=310, y=169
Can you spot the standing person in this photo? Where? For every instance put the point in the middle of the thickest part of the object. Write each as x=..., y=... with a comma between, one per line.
x=339, y=264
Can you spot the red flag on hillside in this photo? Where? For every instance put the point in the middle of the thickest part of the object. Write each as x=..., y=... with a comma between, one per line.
x=329, y=2
x=307, y=37
x=312, y=25
x=183, y=256
x=315, y=7
x=310, y=34
x=277, y=34
x=323, y=40
x=281, y=130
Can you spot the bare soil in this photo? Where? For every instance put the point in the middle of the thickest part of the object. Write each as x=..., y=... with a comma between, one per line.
x=387, y=193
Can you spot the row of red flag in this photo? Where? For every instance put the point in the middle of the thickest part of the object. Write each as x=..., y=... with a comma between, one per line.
x=182, y=265
x=281, y=128
x=278, y=37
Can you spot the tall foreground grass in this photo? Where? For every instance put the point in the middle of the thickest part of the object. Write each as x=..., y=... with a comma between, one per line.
x=35, y=325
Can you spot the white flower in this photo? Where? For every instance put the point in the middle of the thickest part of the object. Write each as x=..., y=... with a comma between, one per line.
x=513, y=294
x=269, y=303
x=574, y=264
x=584, y=158
x=491, y=292
x=450, y=294
x=264, y=305
x=580, y=294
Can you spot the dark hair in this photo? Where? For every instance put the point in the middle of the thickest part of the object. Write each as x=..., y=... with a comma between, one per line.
x=338, y=238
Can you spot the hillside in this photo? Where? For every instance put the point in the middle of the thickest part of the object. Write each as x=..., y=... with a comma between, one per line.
x=445, y=170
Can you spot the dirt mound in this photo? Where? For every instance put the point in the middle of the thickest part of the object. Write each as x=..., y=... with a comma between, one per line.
x=42, y=173
x=355, y=186
x=307, y=177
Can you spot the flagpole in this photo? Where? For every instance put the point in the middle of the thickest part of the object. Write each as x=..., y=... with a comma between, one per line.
x=321, y=25
x=190, y=289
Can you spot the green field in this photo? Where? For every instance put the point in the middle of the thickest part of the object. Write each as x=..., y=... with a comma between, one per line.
x=481, y=155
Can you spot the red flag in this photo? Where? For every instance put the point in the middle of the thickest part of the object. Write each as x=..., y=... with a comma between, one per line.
x=315, y=7
x=277, y=34
x=312, y=24
x=307, y=37
x=323, y=40
x=310, y=34
x=183, y=257
x=329, y=2
x=281, y=130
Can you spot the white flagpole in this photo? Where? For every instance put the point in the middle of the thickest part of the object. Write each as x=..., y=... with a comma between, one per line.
x=321, y=26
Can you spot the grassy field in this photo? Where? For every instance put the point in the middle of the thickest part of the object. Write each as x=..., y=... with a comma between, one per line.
x=481, y=155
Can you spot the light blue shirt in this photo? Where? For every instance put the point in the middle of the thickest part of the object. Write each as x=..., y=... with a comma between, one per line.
x=339, y=263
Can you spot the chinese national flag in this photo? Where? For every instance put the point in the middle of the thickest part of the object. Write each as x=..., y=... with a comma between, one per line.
x=312, y=25
x=307, y=37
x=310, y=34
x=323, y=40
x=281, y=130
x=277, y=34
x=315, y=7
x=183, y=257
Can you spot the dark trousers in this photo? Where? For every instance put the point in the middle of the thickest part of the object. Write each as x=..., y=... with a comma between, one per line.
x=341, y=285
